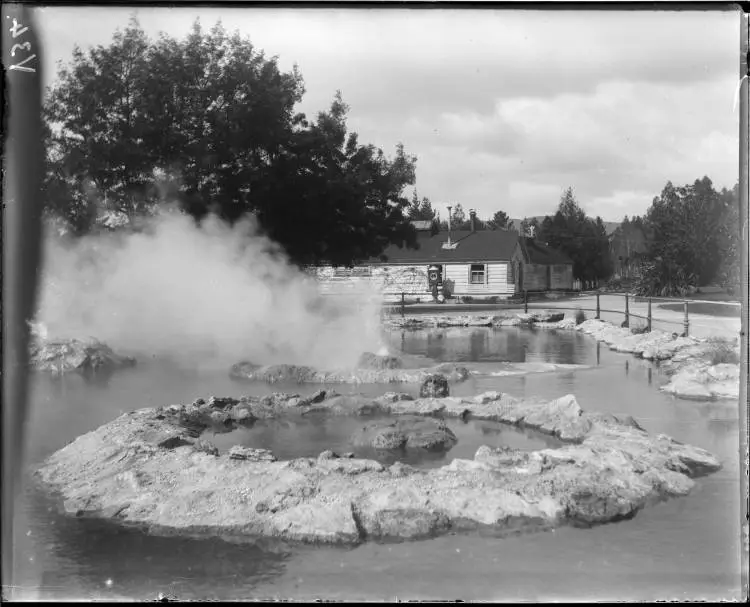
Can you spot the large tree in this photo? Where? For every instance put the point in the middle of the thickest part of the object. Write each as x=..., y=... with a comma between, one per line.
x=582, y=238
x=693, y=236
x=420, y=209
x=209, y=121
x=629, y=246
x=499, y=221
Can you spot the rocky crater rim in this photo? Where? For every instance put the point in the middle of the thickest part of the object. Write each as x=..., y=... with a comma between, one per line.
x=74, y=355
x=152, y=468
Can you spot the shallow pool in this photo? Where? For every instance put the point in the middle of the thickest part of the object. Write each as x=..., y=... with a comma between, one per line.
x=308, y=436
x=681, y=549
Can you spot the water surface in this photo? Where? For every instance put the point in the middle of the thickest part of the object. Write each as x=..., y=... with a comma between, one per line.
x=684, y=548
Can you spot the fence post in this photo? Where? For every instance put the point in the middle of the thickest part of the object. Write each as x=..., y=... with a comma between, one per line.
x=402, y=304
x=648, y=319
x=627, y=311
x=597, y=307
x=686, y=322
x=525, y=302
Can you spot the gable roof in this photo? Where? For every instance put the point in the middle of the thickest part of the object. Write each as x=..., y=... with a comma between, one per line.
x=539, y=253
x=483, y=245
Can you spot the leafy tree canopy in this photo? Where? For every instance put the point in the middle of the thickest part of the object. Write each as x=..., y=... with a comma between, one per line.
x=209, y=120
x=499, y=221
x=582, y=238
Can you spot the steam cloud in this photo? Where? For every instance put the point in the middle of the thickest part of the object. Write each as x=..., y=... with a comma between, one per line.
x=208, y=294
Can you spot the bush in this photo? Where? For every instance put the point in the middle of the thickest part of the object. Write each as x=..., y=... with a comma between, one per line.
x=722, y=352
x=639, y=328
x=467, y=299
x=662, y=278
x=580, y=316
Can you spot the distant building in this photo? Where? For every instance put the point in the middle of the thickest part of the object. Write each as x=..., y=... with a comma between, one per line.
x=422, y=225
x=546, y=269
x=477, y=263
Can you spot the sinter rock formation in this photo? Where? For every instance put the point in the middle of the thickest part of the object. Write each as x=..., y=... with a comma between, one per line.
x=434, y=386
x=406, y=432
x=70, y=355
x=155, y=469
x=248, y=371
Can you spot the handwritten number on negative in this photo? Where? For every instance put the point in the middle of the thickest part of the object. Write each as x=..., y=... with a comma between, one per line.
x=23, y=45
x=15, y=31
x=19, y=66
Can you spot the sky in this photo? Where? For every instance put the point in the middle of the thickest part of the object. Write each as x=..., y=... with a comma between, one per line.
x=504, y=109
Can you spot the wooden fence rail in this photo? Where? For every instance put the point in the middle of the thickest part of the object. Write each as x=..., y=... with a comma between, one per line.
x=527, y=304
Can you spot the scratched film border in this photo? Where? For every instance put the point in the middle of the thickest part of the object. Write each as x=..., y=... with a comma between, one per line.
x=22, y=203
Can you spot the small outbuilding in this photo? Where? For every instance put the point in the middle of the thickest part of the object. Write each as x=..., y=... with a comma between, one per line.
x=545, y=268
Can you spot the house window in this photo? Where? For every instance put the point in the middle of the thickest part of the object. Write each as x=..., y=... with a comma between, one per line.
x=477, y=274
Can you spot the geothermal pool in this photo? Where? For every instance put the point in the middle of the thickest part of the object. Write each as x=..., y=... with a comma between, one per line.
x=682, y=549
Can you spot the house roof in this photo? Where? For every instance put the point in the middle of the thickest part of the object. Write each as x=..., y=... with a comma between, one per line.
x=483, y=245
x=539, y=253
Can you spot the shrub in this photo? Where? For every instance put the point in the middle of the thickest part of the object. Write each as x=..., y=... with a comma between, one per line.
x=662, y=278
x=721, y=352
x=580, y=316
x=494, y=299
x=639, y=328
x=467, y=299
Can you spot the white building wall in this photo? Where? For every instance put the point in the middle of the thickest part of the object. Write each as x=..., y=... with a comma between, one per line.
x=411, y=280
x=495, y=279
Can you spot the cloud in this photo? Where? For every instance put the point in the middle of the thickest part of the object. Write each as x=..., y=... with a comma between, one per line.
x=504, y=108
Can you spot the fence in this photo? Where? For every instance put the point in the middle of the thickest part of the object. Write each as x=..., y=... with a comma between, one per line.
x=674, y=312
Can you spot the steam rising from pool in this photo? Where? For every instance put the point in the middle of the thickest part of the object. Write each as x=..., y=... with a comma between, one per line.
x=207, y=295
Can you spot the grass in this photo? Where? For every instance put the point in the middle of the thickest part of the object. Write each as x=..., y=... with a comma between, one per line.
x=705, y=308
x=721, y=352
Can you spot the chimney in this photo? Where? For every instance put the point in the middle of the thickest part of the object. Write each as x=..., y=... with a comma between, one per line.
x=473, y=218
x=449, y=224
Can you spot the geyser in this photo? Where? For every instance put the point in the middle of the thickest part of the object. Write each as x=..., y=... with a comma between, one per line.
x=200, y=294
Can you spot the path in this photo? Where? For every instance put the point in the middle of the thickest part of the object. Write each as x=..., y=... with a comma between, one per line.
x=612, y=310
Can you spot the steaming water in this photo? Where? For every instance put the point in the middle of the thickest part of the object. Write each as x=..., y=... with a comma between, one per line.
x=684, y=548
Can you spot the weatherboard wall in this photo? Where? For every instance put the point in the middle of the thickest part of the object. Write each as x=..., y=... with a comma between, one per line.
x=497, y=280
x=411, y=280
x=544, y=277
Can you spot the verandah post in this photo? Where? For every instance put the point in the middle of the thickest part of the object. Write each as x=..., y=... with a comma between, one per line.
x=402, y=304
x=649, y=315
x=686, y=322
x=525, y=302
x=597, y=307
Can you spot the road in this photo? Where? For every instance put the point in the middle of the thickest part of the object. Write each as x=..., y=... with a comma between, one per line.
x=612, y=310
x=700, y=325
